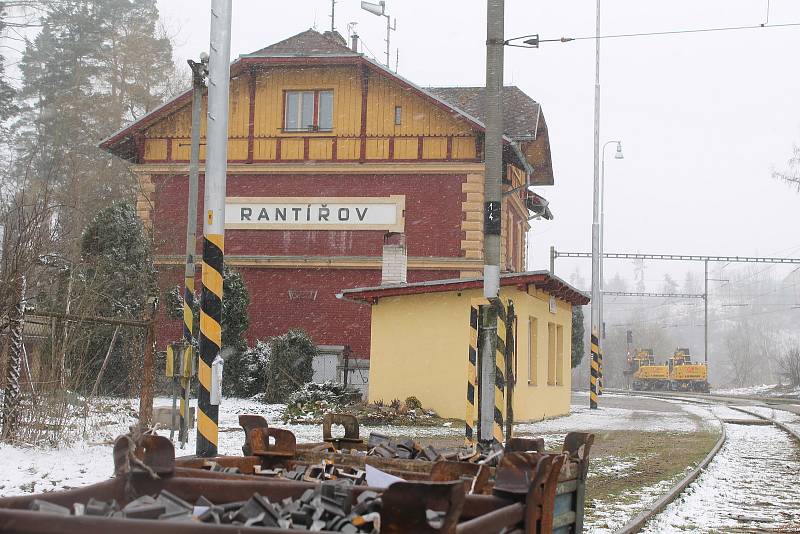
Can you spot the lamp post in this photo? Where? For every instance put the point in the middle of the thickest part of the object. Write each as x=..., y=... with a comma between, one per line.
x=594, y=369
x=602, y=333
x=617, y=155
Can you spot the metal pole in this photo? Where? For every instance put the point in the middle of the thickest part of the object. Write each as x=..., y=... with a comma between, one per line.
x=213, y=222
x=492, y=193
x=199, y=72
x=594, y=371
x=602, y=235
x=388, y=31
x=552, y=259
x=705, y=312
x=602, y=322
x=16, y=349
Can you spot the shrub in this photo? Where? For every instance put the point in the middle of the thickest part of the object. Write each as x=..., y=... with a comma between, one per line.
x=245, y=373
x=290, y=365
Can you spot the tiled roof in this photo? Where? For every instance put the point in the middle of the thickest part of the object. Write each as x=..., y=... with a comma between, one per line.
x=520, y=112
x=309, y=42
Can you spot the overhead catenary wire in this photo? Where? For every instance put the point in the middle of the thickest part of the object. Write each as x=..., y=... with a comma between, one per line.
x=510, y=42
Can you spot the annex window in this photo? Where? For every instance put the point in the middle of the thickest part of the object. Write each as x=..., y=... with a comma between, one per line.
x=551, y=354
x=559, y=355
x=308, y=111
x=398, y=115
x=533, y=350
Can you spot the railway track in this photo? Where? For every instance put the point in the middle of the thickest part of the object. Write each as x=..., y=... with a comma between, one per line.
x=737, y=399
x=749, y=482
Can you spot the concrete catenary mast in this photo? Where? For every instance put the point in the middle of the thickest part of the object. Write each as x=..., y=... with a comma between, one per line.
x=493, y=175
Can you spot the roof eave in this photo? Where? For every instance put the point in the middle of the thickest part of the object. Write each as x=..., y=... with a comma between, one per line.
x=539, y=279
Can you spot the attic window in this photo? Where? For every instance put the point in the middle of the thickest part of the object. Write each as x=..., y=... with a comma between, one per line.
x=308, y=111
x=398, y=115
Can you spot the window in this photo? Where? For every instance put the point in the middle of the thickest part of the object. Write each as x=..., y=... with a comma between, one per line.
x=559, y=355
x=533, y=350
x=551, y=354
x=308, y=111
x=398, y=115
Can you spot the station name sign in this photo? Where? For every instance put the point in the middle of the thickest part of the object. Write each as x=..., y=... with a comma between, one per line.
x=315, y=213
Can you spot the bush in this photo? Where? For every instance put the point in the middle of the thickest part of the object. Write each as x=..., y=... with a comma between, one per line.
x=245, y=374
x=314, y=400
x=290, y=365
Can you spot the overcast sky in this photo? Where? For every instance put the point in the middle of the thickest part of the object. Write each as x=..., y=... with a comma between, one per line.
x=704, y=118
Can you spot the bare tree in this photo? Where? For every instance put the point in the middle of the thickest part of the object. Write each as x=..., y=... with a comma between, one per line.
x=791, y=175
x=789, y=365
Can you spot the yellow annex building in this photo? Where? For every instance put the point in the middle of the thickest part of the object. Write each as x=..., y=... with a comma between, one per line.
x=421, y=332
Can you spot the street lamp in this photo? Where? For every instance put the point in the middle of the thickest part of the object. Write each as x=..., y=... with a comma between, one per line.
x=617, y=155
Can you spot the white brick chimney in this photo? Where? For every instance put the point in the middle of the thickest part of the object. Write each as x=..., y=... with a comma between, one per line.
x=395, y=259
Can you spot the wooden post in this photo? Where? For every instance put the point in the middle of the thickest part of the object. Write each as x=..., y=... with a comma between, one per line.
x=11, y=394
x=105, y=362
x=148, y=370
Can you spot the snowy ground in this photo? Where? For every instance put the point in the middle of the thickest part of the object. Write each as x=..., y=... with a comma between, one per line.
x=87, y=457
x=762, y=390
x=621, y=412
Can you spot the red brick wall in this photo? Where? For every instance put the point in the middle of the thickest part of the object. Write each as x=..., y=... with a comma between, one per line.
x=433, y=214
x=433, y=228
x=328, y=320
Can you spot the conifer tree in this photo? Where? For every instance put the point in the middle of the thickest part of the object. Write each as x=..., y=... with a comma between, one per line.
x=578, y=333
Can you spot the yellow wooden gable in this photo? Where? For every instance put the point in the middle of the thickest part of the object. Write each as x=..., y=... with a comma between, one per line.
x=400, y=124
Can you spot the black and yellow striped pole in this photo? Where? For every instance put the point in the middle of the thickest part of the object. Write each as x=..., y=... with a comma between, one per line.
x=600, y=378
x=210, y=342
x=199, y=72
x=213, y=223
x=475, y=357
x=185, y=381
x=470, y=422
x=499, y=372
x=595, y=372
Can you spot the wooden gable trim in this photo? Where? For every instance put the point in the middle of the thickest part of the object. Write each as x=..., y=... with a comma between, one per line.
x=251, y=120
x=363, y=131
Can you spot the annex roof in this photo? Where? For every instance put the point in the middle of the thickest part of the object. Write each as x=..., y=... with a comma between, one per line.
x=543, y=280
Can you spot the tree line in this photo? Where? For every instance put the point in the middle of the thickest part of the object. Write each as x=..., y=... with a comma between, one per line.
x=72, y=244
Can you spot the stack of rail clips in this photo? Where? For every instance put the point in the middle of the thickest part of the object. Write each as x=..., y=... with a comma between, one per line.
x=330, y=506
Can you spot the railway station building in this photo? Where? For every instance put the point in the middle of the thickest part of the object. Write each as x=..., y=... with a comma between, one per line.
x=341, y=174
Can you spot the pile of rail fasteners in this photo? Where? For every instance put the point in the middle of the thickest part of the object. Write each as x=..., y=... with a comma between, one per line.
x=278, y=486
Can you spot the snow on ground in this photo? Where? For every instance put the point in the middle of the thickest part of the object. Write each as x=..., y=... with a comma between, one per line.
x=609, y=517
x=683, y=419
x=762, y=390
x=87, y=458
